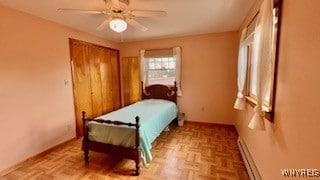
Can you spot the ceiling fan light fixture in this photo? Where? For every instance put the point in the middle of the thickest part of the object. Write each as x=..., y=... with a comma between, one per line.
x=118, y=25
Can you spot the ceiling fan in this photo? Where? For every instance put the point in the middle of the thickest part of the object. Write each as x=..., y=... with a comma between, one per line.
x=119, y=15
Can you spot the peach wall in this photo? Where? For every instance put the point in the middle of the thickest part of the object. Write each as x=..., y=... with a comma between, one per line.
x=208, y=73
x=292, y=141
x=36, y=101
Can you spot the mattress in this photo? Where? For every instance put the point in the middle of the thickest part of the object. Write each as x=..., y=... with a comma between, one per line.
x=155, y=115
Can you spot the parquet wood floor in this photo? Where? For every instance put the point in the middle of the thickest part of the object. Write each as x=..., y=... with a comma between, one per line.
x=194, y=151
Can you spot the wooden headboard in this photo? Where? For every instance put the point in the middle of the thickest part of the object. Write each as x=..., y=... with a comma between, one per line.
x=158, y=91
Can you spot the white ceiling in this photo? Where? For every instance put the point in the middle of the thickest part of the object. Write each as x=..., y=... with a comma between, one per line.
x=185, y=17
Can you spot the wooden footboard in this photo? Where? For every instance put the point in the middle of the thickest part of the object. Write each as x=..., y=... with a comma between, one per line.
x=150, y=92
x=119, y=151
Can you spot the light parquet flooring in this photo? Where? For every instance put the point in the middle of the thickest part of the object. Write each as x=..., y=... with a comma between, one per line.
x=194, y=151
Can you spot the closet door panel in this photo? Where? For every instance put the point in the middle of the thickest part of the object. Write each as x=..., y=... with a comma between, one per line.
x=81, y=83
x=115, y=79
x=130, y=67
x=96, y=56
x=125, y=72
x=106, y=83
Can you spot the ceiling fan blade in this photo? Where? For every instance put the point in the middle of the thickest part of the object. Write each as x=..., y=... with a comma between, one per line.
x=136, y=25
x=148, y=13
x=104, y=24
x=86, y=11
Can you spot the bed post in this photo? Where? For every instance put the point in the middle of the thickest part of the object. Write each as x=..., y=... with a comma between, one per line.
x=137, y=147
x=175, y=91
x=142, y=91
x=85, y=138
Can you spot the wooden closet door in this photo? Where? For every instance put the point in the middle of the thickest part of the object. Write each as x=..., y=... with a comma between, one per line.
x=106, y=83
x=95, y=77
x=115, y=70
x=96, y=56
x=81, y=83
x=130, y=69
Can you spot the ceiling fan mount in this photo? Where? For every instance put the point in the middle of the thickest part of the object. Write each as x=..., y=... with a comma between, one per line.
x=118, y=4
x=119, y=10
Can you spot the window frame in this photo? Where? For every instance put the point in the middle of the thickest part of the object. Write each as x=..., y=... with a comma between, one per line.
x=252, y=101
x=159, y=69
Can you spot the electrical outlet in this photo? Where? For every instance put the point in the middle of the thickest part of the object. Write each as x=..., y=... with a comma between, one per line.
x=202, y=109
x=69, y=127
x=66, y=82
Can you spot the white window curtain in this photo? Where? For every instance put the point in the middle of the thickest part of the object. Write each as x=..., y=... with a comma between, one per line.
x=177, y=56
x=176, y=52
x=144, y=68
x=262, y=53
x=240, y=102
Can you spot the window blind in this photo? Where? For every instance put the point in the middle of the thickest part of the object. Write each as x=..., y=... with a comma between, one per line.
x=158, y=53
x=251, y=26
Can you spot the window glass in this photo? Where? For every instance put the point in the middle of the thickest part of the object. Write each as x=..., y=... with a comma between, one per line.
x=161, y=70
x=151, y=64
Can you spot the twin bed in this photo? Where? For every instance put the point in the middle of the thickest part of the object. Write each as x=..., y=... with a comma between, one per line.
x=129, y=132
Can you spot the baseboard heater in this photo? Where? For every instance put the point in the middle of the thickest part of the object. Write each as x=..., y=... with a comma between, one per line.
x=248, y=161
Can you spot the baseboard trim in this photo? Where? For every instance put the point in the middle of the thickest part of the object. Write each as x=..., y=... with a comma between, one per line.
x=33, y=158
x=209, y=124
x=252, y=169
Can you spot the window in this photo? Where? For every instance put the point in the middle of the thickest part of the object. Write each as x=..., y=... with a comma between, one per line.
x=252, y=64
x=251, y=89
x=257, y=61
x=161, y=66
x=161, y=70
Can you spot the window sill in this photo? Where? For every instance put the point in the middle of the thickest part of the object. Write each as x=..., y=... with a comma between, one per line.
x=269, y=112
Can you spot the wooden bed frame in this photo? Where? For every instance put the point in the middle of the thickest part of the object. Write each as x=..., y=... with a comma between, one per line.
x=150, y=92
